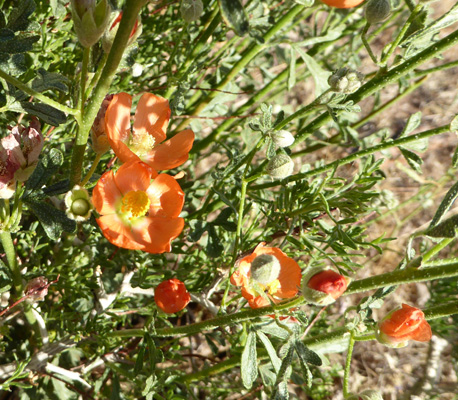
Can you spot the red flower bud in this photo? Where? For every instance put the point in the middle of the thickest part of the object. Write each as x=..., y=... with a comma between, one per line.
x=171, y=296
x=329, y=282
x=402, y=325
x=322, y=286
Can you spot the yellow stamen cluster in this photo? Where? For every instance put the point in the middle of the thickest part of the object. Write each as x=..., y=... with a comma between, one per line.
x=141, y=143
x=136, y=203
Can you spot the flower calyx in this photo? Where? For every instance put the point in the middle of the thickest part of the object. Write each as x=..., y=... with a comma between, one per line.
x=78, y=204
x=280, y=166
x=376, y=11
x=345, y=80
x=90, y=20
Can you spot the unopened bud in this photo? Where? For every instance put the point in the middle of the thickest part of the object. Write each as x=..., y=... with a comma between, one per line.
x=265, y=268
x=322, y=286
x=345, y=80
x=191, y=10
x=366, y=395
x=282, y=138
x=99, y=138
x=281, y=166
x=90, y=20
x=78, y=204
x=377, y=10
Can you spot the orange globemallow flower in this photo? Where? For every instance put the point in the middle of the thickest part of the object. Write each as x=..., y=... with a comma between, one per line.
x=402, y=325
x=267, y=270
x=171, y=296
x=138, y=208
x=146, y=141
x=343, y=3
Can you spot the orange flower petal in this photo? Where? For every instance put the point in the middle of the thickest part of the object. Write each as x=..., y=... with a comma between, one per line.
x=152, y=116
x=159, y=233
x=117, y=125
x=423, y=332
x=117, y=233
x=106, y=194
x=166, y=196
x=134, y=175
x=171, y=153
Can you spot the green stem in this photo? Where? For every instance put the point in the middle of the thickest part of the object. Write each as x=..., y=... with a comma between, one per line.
x=129, y=17
x=401, y=276
x=247, y=56
x=366, y=43
x=396, y=277
x=390, y=103
x=410, y=4
x=382, y=80
x=92, y=170
x=97, y=74
x=8, y=247
x=436, y=249
x=442, y=67
x=84, y=69
x=401, y=34
x=321, y=340
x=37, y=95
x=351, y=344
x=359, y=154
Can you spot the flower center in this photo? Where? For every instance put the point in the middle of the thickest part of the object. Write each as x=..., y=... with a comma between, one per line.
x=136, y=203
x=265, y=269
x=141, y=143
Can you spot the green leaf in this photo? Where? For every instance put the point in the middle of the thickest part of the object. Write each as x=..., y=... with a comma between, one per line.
x=445, y=205
x=58, y=7
x=198, y=228
x=214, y=246
x=306, y=373
x=413, y=123
x=249, y=365
x=446, y=228
x=139, y=361
x=54, y=221
x=18, y=20
x=49, y=80
x=46, y=168
x=305, y=3
x=222, y=220
x=414, y=160
x=276, y=362
x=306, y=355
x=454, y=124
x=13, y=44
x=45, y=112
x=320, y=76
x=234, y=15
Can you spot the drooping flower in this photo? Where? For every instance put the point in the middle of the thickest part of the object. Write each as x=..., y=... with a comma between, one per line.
x=322, y=286
x=267, y=273
x=402, y=325
x=146, y=141
x=138, y=208
x=171, y=296
x=19, y=153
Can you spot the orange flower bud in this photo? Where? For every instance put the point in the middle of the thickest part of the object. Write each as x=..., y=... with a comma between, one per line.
x=171, y=296
x=323, y=286
x=402, y=325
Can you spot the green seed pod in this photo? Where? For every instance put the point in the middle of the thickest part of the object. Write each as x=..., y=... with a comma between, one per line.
x=282, y=138
x=281, y=166
x=345, y=80
x=366, y=395
x=78, y=204
x=191, y=10
x=377, y=11
x=265, y=269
